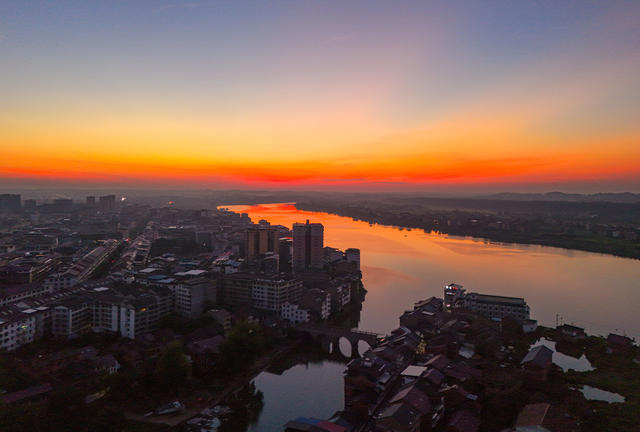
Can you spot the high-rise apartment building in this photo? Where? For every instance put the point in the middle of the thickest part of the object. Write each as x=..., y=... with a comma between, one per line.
x=10, y=202
x=308, y=243
x=30, y=205
x=353, y=256
x=260, y=240
x=284, y=254
x=107, y=202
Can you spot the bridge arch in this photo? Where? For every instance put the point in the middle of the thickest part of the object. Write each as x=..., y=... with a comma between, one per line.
x=327, y=334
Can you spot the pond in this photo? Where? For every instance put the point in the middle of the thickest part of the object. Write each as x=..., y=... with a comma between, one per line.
x=564, y=361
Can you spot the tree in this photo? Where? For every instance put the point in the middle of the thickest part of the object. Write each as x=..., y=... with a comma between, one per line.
x=240, y=348
x=107, y=420
x=66, y=410
x=174, y=368
x=246, y=406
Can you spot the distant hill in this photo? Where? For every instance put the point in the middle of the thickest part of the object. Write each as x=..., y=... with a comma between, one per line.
x=624, y=197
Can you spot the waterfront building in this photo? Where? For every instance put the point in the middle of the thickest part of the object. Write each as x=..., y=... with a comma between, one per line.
x=492, y=306
x=353, y=256
x=315, y=304
x=308, y=244
x=340, y=295
x=294, y=314
x=452, y=293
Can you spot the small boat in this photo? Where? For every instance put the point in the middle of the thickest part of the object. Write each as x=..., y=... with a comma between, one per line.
x=170, y=408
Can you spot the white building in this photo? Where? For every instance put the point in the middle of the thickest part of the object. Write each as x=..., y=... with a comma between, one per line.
x=271, y=293
x=492, y=306
x=17, y=328
x=22, y=292
x=293, y=313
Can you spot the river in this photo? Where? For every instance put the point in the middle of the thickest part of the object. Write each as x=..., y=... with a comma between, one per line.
x=400, y=266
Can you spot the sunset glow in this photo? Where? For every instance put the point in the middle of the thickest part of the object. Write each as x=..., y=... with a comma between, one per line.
x=321, y=95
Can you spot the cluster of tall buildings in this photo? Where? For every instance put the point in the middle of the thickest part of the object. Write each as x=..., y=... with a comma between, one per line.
x=301, y=251
x=13, y=203
x=10, y=202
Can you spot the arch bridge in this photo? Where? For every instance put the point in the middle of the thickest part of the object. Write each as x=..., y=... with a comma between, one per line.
x=328, y=334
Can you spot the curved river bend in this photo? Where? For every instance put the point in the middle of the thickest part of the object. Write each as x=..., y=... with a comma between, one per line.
x=400, y=266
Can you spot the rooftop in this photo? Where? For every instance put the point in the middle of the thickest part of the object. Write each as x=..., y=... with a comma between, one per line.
x=488, y=298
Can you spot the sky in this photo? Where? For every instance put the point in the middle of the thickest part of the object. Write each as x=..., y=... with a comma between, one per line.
x=321, y=95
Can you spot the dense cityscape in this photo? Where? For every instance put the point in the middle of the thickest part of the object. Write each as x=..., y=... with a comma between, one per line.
x=113, y=311
x=319, y=216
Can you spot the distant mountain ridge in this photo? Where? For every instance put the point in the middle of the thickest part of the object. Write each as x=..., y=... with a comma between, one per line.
x=622, y=197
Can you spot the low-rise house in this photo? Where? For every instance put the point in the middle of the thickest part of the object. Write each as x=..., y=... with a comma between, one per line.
x=364, y=379
x=439, y=362
x=529, y=325
x=618, y=343
x=30, y=394
x=537, y=363
x=204, y=351
x=412, y=373
x=222, y=317
x=340, y=295
x=571, y=331
x=543, y=417
x=294, y=313
x=315, y=304
x=414, y=397
x=304, y=424
x=463, y=421
x=399, y=417
x=456, y=396
x=434, y=376
x=106, y=364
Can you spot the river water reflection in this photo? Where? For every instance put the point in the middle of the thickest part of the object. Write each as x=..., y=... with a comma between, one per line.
x=399, y=266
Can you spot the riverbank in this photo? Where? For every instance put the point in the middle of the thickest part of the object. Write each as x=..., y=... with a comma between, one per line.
x=491, y=375
x=499, y=227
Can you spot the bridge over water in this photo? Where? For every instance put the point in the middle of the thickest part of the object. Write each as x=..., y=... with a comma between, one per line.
x=330, y=335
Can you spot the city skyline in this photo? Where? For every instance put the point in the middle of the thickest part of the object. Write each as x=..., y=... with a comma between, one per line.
x=427, y=96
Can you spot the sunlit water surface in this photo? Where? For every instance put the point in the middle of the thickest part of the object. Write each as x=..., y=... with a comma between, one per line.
x=399, y=266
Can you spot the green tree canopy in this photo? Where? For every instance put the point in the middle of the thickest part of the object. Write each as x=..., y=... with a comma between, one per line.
x=174, y=368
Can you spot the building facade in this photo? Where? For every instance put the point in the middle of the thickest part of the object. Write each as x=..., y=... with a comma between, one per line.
x=308, y=244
